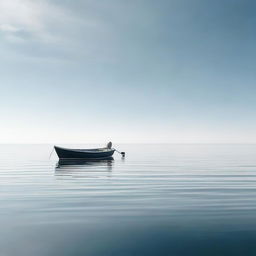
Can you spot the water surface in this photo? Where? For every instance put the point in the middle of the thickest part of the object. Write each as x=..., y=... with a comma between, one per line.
x=159, y=200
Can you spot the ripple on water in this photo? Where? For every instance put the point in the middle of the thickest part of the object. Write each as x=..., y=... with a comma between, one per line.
x=190, y=187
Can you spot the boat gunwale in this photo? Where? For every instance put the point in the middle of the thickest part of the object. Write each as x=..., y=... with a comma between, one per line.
x=93, y=150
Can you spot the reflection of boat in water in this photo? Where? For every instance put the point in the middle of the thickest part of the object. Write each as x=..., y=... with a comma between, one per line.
x=73, y=165
x=82, y=162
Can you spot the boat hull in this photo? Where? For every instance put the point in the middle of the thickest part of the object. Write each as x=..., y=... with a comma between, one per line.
x=64, y=153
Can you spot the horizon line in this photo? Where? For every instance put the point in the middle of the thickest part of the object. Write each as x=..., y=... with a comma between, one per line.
x=167, y=143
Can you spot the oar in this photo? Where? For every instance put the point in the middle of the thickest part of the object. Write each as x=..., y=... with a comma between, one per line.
x=109, y=146
x=121, y=153
x=51, y=154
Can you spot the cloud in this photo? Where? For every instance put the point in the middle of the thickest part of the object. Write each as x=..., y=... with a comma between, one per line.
x=17, y=14
x=51, y=28
x=79, y=31
x=27, y=16
x=8, y=28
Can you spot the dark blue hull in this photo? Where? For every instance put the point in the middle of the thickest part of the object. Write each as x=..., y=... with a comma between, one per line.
x=65, y=153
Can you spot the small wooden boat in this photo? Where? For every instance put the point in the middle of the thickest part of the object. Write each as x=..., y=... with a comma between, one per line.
x=96, y=153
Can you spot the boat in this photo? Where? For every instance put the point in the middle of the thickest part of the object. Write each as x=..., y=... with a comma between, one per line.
x=95, y=153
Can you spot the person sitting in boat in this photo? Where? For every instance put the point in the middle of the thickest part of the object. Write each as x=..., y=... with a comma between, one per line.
x=109, y=145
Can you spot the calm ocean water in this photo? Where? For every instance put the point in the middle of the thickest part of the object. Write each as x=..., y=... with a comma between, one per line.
x=160, y=200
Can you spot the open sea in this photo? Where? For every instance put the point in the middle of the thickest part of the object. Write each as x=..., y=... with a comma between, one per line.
x=173, y=200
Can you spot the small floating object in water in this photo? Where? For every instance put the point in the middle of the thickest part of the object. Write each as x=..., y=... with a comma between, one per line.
x=95, y=153
x=122, y=153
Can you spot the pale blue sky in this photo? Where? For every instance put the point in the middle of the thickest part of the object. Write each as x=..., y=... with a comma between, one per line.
x=172, y=71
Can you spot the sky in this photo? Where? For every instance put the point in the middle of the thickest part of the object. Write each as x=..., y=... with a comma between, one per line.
x=137, y=71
